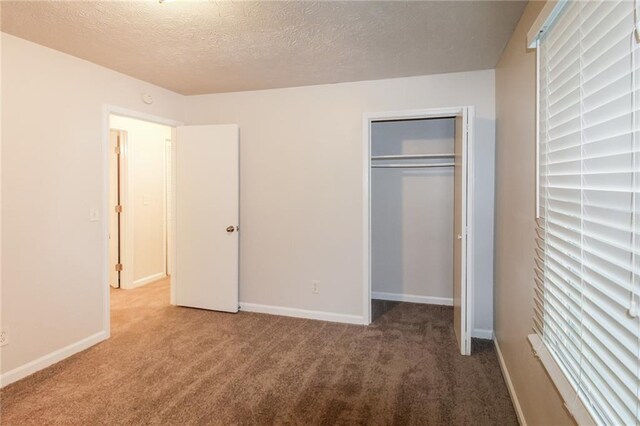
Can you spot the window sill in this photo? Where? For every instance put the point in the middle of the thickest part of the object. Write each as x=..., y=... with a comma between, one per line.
x=571, y=400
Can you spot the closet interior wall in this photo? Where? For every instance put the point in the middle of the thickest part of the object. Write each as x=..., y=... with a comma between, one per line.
x=412, y=212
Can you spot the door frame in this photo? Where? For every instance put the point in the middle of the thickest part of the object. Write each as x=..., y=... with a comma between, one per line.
x=468, y=178
x=122, y=197
x=168, y=205
x=107, y=111
x=124, y=243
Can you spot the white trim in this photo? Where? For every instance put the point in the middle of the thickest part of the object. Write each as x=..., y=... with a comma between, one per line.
x=414, y=114
x=146, y=280
x=468, y=113
x=469, y=246
x=301, y=313
x=107, y=110
x=106, y=287
x=172, y=218
x=512, y=390
x=572, y=402
x=51, y=358
x=412, y=298
x=482, y=333
x=167, y=206
x=165, y=217
x=128, y=113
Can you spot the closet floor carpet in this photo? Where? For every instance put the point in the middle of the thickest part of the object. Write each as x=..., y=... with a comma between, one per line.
x=171, y=365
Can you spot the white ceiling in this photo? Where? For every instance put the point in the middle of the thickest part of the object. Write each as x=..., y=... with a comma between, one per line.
x=197, y=47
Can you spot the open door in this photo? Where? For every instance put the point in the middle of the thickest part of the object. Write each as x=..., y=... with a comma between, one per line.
x=206, y=201
x=114, y=208
x=460, y=308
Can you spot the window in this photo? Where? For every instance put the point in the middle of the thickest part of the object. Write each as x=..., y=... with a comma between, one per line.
x=588, y=258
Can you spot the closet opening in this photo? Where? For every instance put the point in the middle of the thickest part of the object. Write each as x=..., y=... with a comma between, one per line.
x=418, y=233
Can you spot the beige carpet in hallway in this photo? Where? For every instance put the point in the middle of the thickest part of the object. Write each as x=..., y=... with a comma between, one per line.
x=171, y=365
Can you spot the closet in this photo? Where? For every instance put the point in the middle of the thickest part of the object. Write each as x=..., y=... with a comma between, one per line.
x=418, y=214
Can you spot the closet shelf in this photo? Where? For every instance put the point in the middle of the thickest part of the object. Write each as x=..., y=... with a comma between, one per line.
x=411, y=156
x=410, y=166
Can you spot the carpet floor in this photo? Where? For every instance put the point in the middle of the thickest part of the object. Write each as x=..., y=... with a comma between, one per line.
x=170, y=365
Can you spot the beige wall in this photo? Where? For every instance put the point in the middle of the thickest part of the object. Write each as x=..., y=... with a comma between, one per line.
x=146, y=179
x=301, y=190
x=53, y=174
x=514, y=228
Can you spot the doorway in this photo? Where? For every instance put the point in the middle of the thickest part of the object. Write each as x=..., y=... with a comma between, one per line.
x=200, y=229
x=418, y=170
x=139, y=223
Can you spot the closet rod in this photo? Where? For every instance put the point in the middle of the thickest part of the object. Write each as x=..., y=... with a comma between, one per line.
x=410, y=156
x=409, y=166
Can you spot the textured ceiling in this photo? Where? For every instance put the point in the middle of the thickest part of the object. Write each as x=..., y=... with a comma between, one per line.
x=196, y=47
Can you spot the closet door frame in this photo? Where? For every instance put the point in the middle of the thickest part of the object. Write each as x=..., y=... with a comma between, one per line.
x=467, y=113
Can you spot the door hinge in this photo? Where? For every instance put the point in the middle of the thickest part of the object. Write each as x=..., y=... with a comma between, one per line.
x=118, y=267
x=117, y=150
x=118, y=208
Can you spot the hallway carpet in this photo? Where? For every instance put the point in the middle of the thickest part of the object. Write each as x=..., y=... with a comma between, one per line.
x=170, y=365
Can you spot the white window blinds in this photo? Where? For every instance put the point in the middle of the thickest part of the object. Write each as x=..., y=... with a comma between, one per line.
x=588, y=257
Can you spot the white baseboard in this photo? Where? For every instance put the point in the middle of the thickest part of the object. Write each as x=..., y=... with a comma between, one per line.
x=512, y=391
x=398, y=297
x=146, y=280
x=482, y=333
x=301, y=313
x=51, y=358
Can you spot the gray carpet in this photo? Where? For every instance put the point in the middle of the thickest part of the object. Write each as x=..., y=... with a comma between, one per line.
x=170, y=365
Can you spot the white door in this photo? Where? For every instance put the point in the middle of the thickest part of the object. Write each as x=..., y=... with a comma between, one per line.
x=114, y=201
x=206, y=217
x=460, y=308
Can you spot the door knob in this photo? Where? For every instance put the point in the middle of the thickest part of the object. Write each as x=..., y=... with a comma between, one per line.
x=231, y=229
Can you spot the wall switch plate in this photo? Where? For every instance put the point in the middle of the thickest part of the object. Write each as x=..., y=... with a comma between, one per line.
x=94, y=214
x=4, y=336
x=315, y=286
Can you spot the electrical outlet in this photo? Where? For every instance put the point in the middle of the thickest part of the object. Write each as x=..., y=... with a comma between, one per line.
x=4, y=336
x=315, y=287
